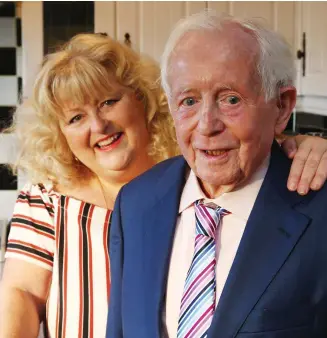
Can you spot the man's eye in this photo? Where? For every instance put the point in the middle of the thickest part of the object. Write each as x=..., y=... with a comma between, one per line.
x=75, y=119
x=189, y=101
x=232, y=100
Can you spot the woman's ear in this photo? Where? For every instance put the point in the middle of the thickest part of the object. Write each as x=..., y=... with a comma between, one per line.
x=285, y=104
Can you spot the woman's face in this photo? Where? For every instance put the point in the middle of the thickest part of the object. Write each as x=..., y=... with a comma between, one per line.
x=111, y=136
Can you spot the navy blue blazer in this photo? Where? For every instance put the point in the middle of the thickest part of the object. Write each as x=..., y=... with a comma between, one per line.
x=277, y=285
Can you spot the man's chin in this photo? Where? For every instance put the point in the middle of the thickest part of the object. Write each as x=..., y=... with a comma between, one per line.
x=214, y=186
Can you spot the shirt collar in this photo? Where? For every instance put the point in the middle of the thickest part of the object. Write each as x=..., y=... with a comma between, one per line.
x=239, y=202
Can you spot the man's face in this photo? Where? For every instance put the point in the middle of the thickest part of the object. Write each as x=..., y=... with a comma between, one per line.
x=224, y=126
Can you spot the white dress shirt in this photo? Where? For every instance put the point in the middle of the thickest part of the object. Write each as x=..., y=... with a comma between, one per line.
x=240, y=203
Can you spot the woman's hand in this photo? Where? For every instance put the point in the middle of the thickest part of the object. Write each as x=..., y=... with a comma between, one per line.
x=309, y=167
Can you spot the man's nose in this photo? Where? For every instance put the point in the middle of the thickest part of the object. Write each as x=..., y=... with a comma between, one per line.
x=210, y=122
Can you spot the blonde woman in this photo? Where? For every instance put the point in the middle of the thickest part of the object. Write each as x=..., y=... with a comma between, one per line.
x=97, y=119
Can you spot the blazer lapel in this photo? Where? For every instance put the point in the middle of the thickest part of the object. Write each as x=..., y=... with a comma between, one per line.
x=159, y=231
x=272, y=231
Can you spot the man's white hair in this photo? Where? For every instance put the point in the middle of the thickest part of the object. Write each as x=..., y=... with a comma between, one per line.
x=275, y=66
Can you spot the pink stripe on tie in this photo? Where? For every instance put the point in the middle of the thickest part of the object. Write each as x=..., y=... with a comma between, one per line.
x=206, y=315
x=205, y=322
x=197, y=281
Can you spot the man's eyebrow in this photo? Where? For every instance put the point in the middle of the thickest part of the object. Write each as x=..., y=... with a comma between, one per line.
x=226, y=87
x=183, y=90
x=186, y=90
x=189, y=89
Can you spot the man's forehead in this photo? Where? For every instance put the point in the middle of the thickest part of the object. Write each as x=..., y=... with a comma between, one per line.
x=230, y=34
x=190, y=76
x=206, y=47
x=200, y=55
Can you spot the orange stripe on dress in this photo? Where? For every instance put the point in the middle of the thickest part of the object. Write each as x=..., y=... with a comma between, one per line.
x=24, y=217
x=57, y=246
x=44, y=205
x=65, y=268
x=24, y=253
x=29, y=245
x=90, y=272
x=80, y=262
x=31, y=228
x=106, y=251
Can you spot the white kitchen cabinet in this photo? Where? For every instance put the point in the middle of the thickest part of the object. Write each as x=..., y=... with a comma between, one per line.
x=314, y=25
x=148, y=24
x=279, y=15
x=312, y=84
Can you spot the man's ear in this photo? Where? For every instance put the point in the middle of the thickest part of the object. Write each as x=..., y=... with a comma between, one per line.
x=285, y=104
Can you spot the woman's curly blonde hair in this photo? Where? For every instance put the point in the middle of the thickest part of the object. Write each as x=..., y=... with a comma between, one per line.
x=80, y=73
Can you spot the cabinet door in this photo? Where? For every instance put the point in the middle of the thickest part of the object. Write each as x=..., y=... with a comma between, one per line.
x=157, y=21
x=149, y=23
x=253, y=9
x=128, y=23
x=279, y=15
x=284, y=21
x=220, y=6
x=104, y=17
x=193, y=7
x=314, y=25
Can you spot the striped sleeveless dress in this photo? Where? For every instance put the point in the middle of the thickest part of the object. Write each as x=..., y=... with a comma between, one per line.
x=70, y=238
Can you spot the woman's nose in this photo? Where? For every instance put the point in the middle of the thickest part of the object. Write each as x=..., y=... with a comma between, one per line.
x=98, y=123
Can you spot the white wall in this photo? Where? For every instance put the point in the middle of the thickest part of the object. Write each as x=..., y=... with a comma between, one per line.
x=8, y=98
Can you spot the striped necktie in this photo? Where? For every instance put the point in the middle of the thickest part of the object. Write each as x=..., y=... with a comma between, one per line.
x=199, y=296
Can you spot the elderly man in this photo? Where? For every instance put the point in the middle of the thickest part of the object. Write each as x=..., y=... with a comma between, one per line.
x=213, y=244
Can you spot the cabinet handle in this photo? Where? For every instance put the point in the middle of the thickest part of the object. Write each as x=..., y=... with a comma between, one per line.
x=127, y=40
x=301, y=54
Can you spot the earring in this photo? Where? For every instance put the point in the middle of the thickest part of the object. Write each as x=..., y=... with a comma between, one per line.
x=139, y=95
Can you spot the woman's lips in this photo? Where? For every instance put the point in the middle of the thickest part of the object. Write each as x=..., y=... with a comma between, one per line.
x=109, y=143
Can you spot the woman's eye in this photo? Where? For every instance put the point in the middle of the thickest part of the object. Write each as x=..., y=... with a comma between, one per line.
x=75, y=119
x=189, y=101
x=109, y=103
x=232, y=100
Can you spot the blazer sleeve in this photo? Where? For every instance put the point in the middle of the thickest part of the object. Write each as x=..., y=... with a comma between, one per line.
x=116, y=254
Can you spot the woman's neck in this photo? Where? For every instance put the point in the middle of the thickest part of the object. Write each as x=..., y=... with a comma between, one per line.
x=111, y=185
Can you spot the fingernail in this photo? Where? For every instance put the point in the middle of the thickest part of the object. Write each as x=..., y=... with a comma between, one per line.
x=302, y=190
x=292, y=154
x=314, y=186
x=292, y=186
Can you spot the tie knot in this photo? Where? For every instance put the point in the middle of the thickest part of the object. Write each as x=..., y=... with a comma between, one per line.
x=208, y=217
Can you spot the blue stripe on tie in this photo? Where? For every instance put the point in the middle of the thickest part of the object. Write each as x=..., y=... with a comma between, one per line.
x=193, y=305
x=207, y=250
x=203, y=295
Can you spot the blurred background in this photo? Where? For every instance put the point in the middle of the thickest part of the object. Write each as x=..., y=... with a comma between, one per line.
x=29, y=30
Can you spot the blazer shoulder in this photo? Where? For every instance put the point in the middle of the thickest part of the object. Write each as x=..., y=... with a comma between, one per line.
x=316, y=201
x=164, y=172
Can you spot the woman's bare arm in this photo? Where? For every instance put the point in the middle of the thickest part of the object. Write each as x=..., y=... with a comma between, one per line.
x=24, y=290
